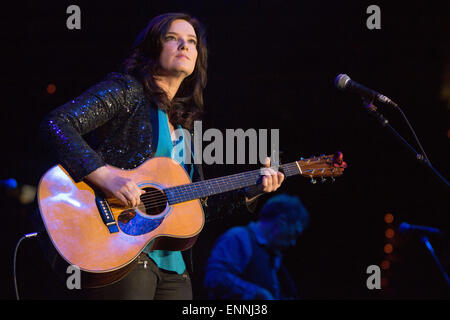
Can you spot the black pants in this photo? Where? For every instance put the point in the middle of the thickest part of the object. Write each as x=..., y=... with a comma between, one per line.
x=146, y=282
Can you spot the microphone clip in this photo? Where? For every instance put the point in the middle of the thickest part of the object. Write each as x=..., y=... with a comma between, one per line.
x=373, y=110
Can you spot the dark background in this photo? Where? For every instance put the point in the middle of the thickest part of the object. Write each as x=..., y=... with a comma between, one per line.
x=271, y=65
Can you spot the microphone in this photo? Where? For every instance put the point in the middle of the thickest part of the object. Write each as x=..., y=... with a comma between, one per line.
x=344, y=83
x=31, y=235
x=406, y=227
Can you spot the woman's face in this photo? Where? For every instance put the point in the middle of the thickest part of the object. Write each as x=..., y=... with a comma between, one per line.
x=179, y=52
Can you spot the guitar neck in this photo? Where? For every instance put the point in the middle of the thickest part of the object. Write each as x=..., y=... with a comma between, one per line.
x=214, y=186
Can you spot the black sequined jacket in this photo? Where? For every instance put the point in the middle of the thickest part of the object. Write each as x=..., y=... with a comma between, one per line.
x=114, y=123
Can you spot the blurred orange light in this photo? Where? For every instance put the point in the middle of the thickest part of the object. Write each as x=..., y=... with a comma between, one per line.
x=51, y=88
x=389, y=233
x=385, y=265
x=388, y=248
x=388, y=218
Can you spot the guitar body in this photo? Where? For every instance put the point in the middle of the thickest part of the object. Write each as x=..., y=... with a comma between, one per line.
x=103, y=238
x=73, y=221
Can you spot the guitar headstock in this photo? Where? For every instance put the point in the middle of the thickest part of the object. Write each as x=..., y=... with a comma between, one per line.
x=329, y=166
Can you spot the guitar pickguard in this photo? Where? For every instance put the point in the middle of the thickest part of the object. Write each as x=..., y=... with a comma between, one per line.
x=133, y=223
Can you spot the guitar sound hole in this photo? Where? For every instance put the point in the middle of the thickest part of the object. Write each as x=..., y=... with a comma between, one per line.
x=154, y=200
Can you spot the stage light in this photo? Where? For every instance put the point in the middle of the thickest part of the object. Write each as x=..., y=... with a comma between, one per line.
x=388, y=248
x=388, y=218
x=385, y=265
x=384, y=282
x=51, y=88
x=389, y=233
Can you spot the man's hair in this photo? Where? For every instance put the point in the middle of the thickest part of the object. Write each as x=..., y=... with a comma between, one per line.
x=143, y=63
x=286, y=207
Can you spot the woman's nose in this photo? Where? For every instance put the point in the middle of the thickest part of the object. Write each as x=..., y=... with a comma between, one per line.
x=182, y=44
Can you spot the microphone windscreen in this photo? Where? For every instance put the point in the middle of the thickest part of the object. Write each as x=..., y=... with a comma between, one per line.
x=341, y=81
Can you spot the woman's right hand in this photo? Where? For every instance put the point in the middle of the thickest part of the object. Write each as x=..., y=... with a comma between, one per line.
x=124, y=189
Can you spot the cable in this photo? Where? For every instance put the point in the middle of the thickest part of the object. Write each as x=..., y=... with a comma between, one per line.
x=421, y=157
x=414, y=134
x=26, y=236
x=424, y=157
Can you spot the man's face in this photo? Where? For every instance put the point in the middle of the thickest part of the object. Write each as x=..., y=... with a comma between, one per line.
x=285, y=234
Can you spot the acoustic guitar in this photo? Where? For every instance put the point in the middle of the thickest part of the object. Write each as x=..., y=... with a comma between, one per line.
x=103, y=238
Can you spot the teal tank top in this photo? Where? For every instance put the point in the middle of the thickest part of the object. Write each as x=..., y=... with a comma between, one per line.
x=169, y=260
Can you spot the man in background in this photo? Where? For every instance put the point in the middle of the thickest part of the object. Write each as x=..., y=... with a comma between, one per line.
x=245, y=263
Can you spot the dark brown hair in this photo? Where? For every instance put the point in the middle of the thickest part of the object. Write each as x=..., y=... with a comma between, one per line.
x=143, y=63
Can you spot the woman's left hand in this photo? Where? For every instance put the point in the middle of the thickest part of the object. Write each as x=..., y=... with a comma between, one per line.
x=271, y=180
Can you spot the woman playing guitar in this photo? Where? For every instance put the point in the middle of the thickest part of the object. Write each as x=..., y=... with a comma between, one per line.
x=129, y=118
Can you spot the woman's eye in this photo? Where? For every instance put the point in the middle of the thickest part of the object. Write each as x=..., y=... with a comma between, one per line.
x=173, y=38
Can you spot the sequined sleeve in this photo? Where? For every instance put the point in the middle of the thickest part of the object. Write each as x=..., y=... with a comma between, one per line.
x=62, y=129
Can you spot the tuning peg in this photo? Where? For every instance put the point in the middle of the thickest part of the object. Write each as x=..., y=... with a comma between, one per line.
x=313, y=181
x=322, y=179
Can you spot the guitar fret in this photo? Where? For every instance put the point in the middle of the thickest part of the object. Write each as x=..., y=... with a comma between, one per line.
x=201, y=189
x=291, y=169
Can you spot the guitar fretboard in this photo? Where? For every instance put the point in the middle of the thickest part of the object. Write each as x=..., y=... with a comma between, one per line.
x=214, y=186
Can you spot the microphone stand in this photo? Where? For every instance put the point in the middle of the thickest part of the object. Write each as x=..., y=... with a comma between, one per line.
x=372, y=110
x=427, y=244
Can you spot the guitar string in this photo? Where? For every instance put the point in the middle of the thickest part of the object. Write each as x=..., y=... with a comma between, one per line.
x=158, y=198
x=203, y=186
x=194, y=191
x=206, y=185
x=218, y=181
x=161, y=199
x=193, y=188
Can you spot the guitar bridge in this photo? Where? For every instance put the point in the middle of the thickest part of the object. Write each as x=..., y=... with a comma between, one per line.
x=106, y=214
